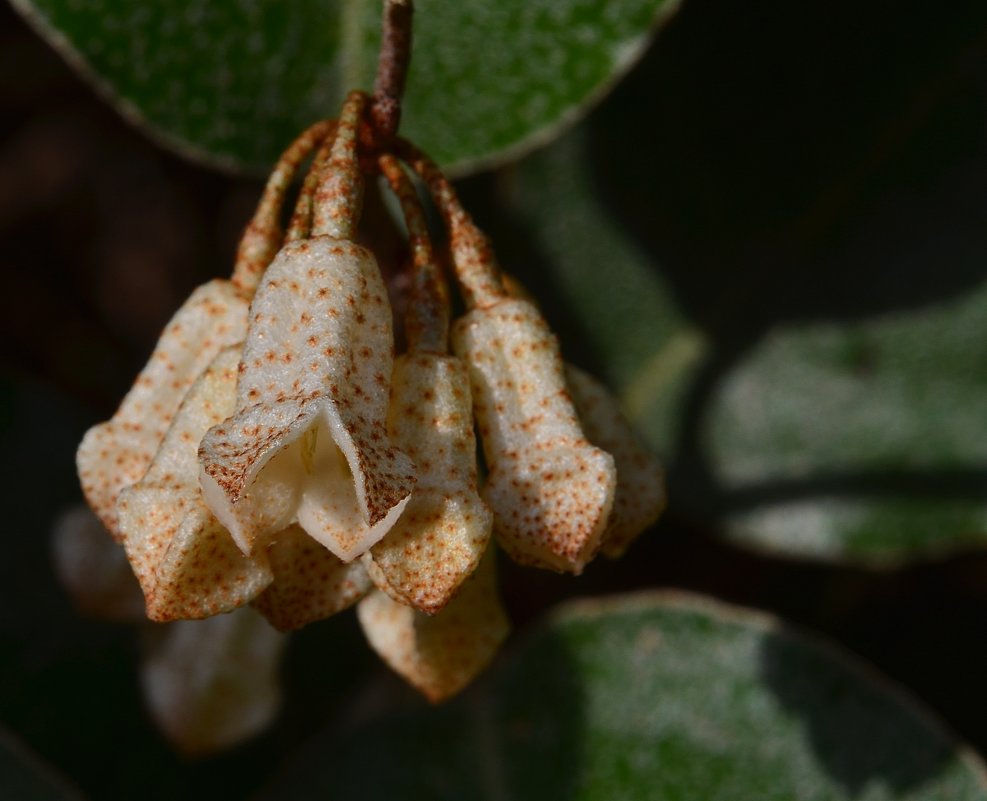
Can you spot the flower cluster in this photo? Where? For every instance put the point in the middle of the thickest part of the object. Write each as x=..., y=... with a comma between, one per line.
x=275, y=451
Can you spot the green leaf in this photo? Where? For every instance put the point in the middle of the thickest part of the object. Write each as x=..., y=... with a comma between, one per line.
x=655, y=697
x=233, y=81
x=859, y=438
x=24, y=777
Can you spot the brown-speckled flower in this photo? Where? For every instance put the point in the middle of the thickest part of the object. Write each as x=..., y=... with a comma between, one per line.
x=285, y=456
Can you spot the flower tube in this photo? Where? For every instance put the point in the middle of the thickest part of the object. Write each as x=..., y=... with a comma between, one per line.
x=443, y=532
x=308, y=441
x=115, y=454
x=550, y=489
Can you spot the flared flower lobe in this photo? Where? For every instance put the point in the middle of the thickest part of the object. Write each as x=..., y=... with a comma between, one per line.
x=439, y=655
x=186, y=562
x=115, y=454
x=440, y=537
x=550, y=489
x=308, y=440
x=640, y=497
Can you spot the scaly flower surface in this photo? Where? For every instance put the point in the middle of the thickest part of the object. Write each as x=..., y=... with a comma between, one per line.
x=440, y=654
x=115, y=454
x=285, y=457
x=439, y=540
x=308, y=442
x=185, y=561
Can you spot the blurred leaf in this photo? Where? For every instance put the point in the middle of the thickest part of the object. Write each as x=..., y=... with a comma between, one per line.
x=859, y=437
x=233, y=81
x=864, y=438
x=25, y=778
x=651, y=697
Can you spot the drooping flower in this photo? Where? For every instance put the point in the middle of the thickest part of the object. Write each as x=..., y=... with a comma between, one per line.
x=439, y=655
x=212, y=683
x=115, y=454
x=439, y=540
x=308, y=441
x=640, y=497
x=550, y=489
x=185, y=561
x=306, y=467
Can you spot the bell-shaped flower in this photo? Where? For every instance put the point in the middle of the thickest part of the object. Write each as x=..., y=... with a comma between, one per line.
x=310, y=582
x=186, y=562
x=115, y=454
x=550, y=489
x=213, y=683
x=308, y=441
x=439, y=539
x=440, y=654
x=640, y=497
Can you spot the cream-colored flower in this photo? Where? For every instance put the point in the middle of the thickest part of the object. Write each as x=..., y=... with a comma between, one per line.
x=304, y=466
x=439, y=655
x=186, y=562
x=550, y=489
x=213, y=683
x=640, y=497
x=308, y=442
x=310, y=582
x=115, y=454
x=439, y=539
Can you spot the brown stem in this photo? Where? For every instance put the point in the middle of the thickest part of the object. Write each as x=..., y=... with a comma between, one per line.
x=339, y=196
x=392, y=71
x=300, y=225
x=427, y=321
x=472, y=257
x=262, y=238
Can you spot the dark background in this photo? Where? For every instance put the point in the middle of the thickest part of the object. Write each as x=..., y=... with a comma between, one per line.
x=755, y=142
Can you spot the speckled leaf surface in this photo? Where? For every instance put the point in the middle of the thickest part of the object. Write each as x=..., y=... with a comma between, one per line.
x=845, y=435
x=655, y=697
x=233, y=81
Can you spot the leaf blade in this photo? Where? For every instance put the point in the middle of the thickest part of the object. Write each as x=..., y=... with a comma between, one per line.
x=231, y=82
x=654, y=696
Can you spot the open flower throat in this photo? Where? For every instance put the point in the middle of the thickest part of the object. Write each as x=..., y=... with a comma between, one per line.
x=275, y=452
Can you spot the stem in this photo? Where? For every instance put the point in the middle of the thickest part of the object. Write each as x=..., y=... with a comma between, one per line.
x=472, y=257
x=339, y=196
x=301, y=219
x=427, y=320
x=262, y=237
x=392, y=71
